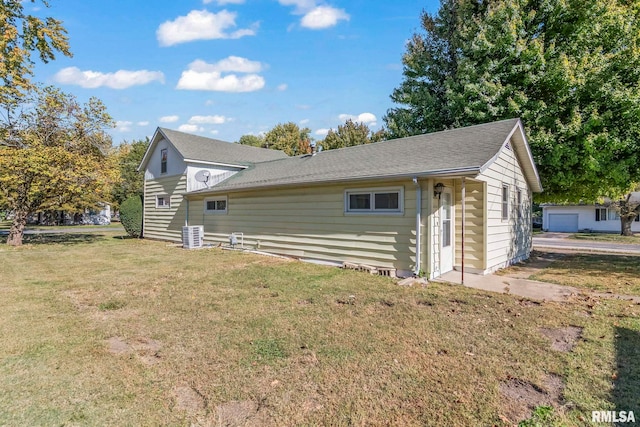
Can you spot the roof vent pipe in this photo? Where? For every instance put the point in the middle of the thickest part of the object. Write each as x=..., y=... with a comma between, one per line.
x=312, y=144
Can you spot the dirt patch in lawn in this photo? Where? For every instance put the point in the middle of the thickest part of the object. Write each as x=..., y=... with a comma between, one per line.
x=521, y=398
x=189, y=400
x=240, y=413
x=562, y=339
x=147, y=349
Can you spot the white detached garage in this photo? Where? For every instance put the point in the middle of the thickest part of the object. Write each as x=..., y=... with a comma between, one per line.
x=574, y=218
x=563, y=222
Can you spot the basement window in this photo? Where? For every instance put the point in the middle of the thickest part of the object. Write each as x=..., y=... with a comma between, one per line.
x=383, y=200
x=217, y=205
x=163, y=201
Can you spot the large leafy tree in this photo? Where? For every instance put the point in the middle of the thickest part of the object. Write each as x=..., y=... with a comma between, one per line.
x=23, y=36
x=347, y=135
x=569, y=68
x=128, y=156
x=252, y=140
x=58, y=159
x=288, y=137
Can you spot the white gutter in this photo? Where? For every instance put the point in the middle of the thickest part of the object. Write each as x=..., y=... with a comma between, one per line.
x=206, y=162
x=418, y=224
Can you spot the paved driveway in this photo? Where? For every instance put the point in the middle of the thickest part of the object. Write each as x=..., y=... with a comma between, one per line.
x=562, y=241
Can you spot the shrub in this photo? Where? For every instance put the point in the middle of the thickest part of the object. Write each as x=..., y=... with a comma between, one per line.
x=131, y=216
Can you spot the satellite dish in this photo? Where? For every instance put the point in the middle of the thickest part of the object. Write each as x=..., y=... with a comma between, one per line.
x=203, y=176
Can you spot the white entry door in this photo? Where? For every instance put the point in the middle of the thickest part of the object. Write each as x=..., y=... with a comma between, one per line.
x=446, y=231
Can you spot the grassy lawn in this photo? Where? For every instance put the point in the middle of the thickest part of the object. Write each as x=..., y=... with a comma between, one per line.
x=98, y=330
x=615, y=273
x=6, y=225
x=607, y=237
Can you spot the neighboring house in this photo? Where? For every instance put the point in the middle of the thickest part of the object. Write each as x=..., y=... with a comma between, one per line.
x=101, y=215
x=396, y=204
x=584, y=217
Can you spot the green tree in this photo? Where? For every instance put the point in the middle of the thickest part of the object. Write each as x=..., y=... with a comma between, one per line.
x=252, y=140
x=347, y=135
x=131, y=213
x=128, y=157
x=570, y=69
x=289, y=138
x=59, y=160
x=430, y=67
x=23, y=35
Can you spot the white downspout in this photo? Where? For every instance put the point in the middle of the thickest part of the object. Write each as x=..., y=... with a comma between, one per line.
x=186, y=218
x=418, y=226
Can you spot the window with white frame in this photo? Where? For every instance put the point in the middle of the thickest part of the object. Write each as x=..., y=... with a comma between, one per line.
x=601, y=214
x=519, y=202
x=215, y=205
x=613, y=215
x=379, y=200
x=163, y=201
x=505, y=201
x=163, y=160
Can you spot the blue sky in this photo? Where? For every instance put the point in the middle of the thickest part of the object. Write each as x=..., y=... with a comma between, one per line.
x=225, y=68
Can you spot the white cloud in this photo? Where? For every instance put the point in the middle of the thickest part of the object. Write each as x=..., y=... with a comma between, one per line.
x=282, y=87
x=145, y=123
x=304, y=121
x=366, y=118
x=302, y=6
x=201, y=25
x=323, y=17
x=322, y=132
x=190, y=128
x=123, y=126
x=316, y=17
x=228, y=64
x=121, y=79
x=203, y=76
x=212, y=120
x=214, y=132
x=169, y=119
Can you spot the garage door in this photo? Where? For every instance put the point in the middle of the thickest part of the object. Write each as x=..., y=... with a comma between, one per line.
x=567, y=223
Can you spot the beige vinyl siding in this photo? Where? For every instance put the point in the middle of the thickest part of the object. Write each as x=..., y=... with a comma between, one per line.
x=165, y=223
x=474, y=253
x=507, y=240
x=310, y=222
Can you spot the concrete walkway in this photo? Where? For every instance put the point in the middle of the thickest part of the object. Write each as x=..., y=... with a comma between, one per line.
x=562, y=241
x=526, y=288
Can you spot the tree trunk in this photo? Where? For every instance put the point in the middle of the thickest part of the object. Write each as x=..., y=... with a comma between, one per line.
x=17, y=228
x=625, y=226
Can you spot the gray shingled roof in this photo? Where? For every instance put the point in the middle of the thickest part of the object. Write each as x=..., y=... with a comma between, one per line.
x=458, y=150
x=193, y=147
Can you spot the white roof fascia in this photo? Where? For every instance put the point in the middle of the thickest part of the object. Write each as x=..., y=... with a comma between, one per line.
x=527, y=154
x=204, y=162
x=469, y=172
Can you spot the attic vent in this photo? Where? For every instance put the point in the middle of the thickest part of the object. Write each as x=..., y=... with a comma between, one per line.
x=507, y=146
x=192, y=237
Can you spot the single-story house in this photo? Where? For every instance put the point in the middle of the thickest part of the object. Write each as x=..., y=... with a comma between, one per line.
x=423, y=205
x=585, y=217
